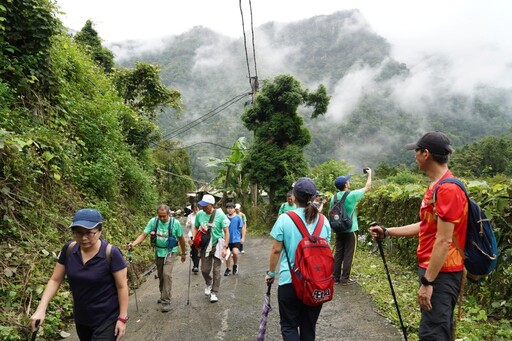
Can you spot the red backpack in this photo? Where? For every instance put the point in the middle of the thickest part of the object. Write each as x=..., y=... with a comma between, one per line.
x=312, y=270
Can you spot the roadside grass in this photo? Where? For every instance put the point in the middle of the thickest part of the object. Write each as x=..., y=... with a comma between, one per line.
x=369, y=270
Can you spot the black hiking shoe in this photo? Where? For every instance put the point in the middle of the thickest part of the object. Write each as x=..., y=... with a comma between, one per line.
x=235, y=269
x=227, y=272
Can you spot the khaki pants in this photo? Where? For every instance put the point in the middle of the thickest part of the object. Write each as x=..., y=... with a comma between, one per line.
x=207, y=262
x=164, y=268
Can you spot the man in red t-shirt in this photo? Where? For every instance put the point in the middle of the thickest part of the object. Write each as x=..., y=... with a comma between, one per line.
x=440, y=263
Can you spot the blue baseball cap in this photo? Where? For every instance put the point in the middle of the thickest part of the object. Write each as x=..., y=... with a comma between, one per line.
x=304, y=185
x=341, y=181
x=87, y=218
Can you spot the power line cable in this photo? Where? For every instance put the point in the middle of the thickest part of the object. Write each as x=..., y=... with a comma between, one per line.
x=253, y=47
x=205, y=142
x=245, y=44
x=204, y=117
x=183, y=176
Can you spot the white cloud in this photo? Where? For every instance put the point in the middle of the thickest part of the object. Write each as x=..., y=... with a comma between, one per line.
x=349, y=90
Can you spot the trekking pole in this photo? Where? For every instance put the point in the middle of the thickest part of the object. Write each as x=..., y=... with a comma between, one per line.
x=189, y=271
x=34, y=333
x=133, y=282
x=381, y=250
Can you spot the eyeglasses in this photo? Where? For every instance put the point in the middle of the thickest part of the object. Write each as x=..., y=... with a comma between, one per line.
x=88, y=235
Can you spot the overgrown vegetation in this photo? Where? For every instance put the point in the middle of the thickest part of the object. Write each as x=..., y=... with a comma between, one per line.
x=68, y=140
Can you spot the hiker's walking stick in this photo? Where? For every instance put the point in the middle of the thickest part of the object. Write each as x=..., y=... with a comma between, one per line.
x=34, y=333
x=133, y=282
x=381, y=250
x=189, y=271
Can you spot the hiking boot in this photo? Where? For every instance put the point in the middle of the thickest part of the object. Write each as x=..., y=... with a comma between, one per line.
x=195, y=269
x=227, y=272
x=213, y=297
x=349, y=282
x=208, y=290
x=166, y=307
x=235, y=269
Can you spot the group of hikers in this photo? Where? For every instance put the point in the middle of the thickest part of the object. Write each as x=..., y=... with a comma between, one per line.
x=214, y=236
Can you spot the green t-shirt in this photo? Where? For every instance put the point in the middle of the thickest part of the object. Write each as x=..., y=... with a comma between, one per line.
x=162, y=234
x=350, y=204
x=219, y=223
x=285, y=207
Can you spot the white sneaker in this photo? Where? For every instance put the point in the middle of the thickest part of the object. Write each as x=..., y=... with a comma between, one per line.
x=208, y=290
x=213, y=297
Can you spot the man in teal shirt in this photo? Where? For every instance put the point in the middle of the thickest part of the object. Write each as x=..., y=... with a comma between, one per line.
x=346, y=242
x=166, y=227
x=218, y=228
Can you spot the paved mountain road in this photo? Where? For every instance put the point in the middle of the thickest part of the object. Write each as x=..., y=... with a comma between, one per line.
x=350, y=316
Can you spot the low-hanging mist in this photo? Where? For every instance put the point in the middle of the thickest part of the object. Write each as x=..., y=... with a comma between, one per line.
x=378, y=103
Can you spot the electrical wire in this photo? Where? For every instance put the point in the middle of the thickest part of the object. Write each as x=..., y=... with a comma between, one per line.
x=195, y=144
x=245, y=44
x=182, y=176
x=253, y=47
x=204, y=117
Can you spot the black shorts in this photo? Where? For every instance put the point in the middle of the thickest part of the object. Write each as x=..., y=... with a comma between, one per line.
x=233, y=245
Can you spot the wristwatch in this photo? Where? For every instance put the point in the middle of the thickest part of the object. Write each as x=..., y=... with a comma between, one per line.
x=425, y=281
x=122, y=319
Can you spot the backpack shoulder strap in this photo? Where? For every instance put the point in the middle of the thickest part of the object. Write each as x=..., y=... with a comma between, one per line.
x=453, y=181
x=342, y=201
x=70, y=248
x=299, y=223
x=169, y=229
x=212, y=216
x=319, y=225
x=109, y=254
x=434, y=198
x=155, y=228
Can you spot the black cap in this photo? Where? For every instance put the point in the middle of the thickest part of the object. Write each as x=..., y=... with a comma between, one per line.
x=435, y=141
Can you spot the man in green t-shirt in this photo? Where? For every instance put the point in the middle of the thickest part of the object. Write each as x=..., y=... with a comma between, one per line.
x=217, y=229
x=166, y=227
x=346, y=242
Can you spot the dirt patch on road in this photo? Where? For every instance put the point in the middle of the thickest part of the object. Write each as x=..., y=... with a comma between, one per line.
x=350, y=316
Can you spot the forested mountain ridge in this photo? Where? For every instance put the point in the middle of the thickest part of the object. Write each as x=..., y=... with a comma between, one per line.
x=377, y=104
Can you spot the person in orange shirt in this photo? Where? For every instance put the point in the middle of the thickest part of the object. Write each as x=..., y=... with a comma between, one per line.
x=440, y=263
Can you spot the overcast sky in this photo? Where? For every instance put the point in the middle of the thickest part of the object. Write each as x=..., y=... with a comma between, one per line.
x=474, y=34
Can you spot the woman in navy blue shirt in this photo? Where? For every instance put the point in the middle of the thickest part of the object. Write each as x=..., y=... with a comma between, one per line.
x=97, y=279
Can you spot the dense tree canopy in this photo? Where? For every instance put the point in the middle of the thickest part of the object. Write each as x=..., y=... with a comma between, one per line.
x=488, y=157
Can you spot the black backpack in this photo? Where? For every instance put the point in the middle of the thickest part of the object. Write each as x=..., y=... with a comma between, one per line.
x=339, y=219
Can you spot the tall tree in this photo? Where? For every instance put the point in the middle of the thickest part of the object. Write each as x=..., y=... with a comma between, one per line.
x=142, y=89
x=88, y=37
x=276, y=157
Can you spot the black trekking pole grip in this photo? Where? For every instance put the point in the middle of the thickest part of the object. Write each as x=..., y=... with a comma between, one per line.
x=381, y=251
x=34, y=333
